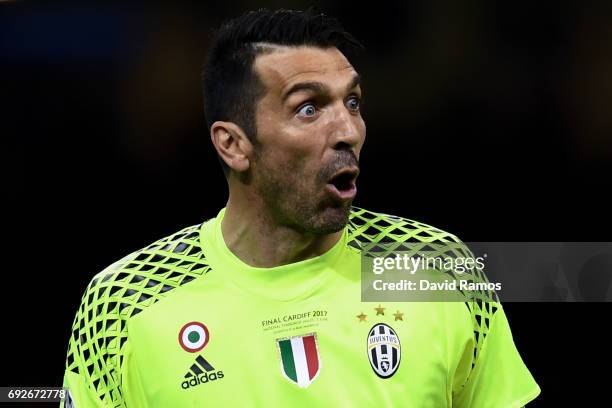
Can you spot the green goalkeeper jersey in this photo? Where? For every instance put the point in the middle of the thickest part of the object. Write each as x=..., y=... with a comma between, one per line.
x=183, y=322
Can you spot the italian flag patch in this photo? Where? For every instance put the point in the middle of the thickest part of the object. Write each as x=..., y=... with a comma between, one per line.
x=300, y=362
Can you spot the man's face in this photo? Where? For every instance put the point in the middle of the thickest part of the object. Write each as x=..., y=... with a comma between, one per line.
x=309, y=136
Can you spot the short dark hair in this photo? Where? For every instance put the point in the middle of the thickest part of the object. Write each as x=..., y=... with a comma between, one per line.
x=231, y=87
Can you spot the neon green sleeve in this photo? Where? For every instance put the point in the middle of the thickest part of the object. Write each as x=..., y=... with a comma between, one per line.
x=498, y=377
x=96, y=352
x=99, y=350
x=85, y=391
x=78, y=391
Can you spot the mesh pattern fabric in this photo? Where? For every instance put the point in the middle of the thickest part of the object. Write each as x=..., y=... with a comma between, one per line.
x=121, y=291
x=376, y=234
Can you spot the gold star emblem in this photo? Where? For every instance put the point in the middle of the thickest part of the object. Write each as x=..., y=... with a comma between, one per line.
x=380, y=310
x=361, y=317
x=398, y=316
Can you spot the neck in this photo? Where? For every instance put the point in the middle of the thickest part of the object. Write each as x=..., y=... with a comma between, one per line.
x=250, y=232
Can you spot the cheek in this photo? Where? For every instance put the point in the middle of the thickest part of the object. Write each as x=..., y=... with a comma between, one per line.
x=290, y=153
x=287, y=165
x=298, y=169
x=295, y=153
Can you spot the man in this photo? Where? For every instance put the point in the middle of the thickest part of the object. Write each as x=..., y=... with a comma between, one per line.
x=261, y=306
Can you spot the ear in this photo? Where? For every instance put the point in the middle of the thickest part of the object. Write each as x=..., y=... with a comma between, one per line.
x=232, y=145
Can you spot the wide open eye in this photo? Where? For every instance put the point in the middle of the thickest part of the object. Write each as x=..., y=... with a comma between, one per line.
x=353, y=103
x=308, y=110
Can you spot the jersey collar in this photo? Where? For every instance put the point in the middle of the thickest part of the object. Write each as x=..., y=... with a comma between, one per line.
x=293, y=281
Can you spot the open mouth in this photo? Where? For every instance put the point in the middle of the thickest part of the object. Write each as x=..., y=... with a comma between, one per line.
x=343, y=183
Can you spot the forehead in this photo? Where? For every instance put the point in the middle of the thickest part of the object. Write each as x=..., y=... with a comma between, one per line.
x=284, y=66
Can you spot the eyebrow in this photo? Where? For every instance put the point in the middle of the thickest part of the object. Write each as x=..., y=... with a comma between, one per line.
x=317, y=87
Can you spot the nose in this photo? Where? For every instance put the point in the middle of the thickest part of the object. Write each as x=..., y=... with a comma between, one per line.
x=348, y=129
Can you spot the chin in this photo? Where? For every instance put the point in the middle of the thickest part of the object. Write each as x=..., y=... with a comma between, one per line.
x=331, y=219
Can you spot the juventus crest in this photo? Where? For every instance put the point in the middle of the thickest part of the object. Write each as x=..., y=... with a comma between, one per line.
x=384, y=350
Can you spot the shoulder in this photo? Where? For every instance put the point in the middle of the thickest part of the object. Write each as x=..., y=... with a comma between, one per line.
x=368, y=227
x=144, y=277
x=120, y=292
x=378, y=234
x=129, y=286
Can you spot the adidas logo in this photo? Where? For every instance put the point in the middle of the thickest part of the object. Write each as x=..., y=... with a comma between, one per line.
x=200, y=372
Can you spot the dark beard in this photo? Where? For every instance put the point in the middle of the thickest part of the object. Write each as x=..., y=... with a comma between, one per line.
x=294, y=204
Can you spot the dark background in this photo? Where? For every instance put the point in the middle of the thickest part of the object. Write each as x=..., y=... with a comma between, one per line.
x=488, y=119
